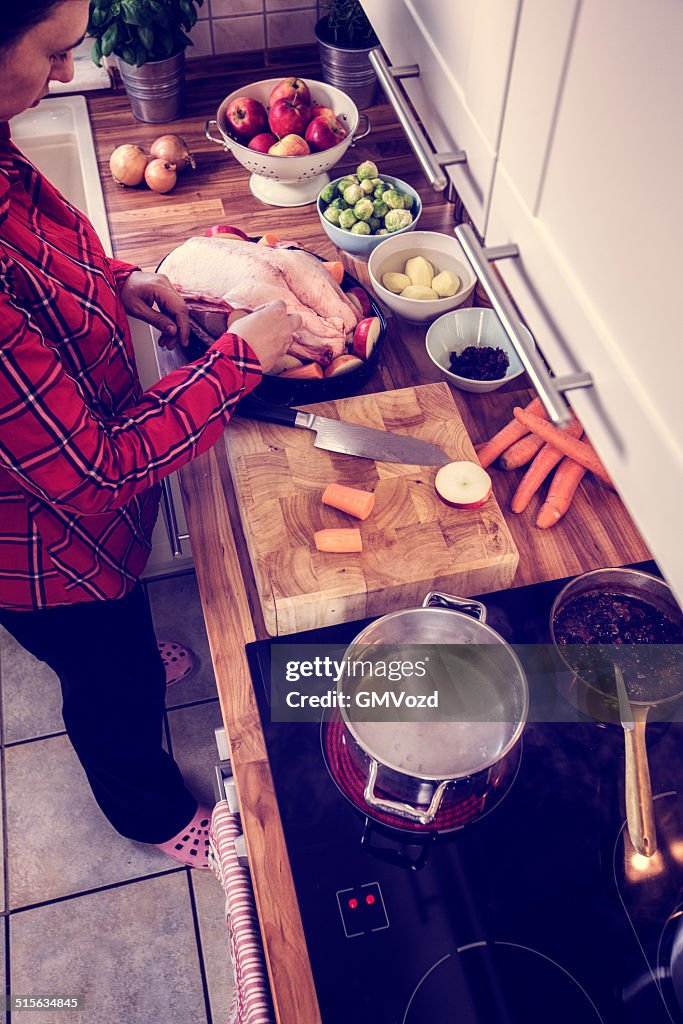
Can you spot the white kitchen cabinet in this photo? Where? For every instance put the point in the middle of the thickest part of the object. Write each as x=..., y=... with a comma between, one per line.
x=464, y=53
x=588, y=186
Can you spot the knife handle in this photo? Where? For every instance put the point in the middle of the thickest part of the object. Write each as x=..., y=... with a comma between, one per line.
x=257, y=409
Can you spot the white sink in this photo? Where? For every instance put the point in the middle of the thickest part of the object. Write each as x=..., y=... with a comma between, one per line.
x=56, y=137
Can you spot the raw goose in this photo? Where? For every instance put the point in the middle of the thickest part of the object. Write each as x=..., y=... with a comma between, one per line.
x=247, y=275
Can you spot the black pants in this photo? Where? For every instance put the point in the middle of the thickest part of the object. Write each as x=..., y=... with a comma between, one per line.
x=113, y=690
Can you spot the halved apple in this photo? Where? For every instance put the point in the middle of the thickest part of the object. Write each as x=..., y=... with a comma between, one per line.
x=363, y=299
x=342, y=364
x=226, y=229
x=463, y=485
x=365, y=336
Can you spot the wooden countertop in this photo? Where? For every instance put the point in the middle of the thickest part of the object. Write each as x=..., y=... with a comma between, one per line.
x=144, y=227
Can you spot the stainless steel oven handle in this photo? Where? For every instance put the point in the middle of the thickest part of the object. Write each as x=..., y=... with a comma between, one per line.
x=549, y=388
x=437, y=599
x=170, y=520
x=422, y=817
x=432, y=163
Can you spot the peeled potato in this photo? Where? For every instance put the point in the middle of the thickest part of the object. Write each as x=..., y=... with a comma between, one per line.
x=446, y=284
x=420, y=271
x=396, y=282
x=418, y=291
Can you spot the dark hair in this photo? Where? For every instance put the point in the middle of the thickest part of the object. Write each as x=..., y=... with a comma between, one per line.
x=16, y=18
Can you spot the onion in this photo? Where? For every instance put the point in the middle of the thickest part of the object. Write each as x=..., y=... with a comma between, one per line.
x=174, y=149
x=127, y=165
x=160, y=175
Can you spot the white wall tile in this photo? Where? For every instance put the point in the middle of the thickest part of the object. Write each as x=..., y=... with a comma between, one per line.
x=288, y=5
x=201, y=39
x=204, y=11
x=291, y=29
x=227, y=8
x=232, y=34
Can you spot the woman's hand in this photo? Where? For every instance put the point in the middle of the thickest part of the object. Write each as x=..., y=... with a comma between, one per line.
x=142, y=292
x=268, y=331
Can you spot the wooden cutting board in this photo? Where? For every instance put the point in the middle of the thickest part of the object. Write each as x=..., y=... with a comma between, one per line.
x=412, y=542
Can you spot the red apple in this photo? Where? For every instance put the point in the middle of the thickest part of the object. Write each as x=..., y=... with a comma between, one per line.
x=246, y=117
x=289, y=89
x=288, y=117
x=365, y=335
x=463, y=485
x=226, y=229
x=342, y=364
x=362, y=298
x=261, y=143
x=324, y=132
x=318, y=110
x=290, y=145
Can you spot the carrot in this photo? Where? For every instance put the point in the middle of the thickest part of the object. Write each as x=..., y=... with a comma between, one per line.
x=349, y=499
x=270, y=238
x=563, y=487
x=309, y=371
x=521, y=452
x=336, y=269
x=543, y=464
x=580, y=451
x=338, y=540
x=510, y=433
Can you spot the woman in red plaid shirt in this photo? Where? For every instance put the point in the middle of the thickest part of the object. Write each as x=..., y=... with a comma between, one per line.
x=82, y=449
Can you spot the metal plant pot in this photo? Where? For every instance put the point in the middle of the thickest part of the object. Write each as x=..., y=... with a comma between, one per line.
x=155, y=89
x=347, y=68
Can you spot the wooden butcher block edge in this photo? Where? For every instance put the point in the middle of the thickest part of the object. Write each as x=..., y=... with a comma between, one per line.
x=412, y=542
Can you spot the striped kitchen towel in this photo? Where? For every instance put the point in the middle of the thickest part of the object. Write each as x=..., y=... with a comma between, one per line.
x=251, y=1002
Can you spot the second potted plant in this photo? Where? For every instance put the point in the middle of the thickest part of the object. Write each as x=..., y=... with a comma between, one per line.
x=148, y=39
x=345, y=38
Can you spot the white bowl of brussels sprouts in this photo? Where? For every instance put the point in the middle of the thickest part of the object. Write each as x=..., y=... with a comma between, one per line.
x=361, y=209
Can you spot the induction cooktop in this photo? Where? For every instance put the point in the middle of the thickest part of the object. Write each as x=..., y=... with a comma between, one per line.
x=536, y=912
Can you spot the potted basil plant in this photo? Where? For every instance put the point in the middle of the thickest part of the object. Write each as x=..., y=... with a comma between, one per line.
x=148, y=39
x=345, y=38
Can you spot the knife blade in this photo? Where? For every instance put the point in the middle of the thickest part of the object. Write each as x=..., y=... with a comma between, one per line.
x=348, y=438
x=625, y=709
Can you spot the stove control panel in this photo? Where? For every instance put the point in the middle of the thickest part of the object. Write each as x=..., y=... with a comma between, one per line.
x=362, y=910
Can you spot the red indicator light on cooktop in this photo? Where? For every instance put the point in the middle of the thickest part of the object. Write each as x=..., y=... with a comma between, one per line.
x=353, y=903
x=370, y=899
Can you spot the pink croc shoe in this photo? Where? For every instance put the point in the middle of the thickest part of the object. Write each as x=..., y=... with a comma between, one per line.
x=191, y=845
x=178, y=661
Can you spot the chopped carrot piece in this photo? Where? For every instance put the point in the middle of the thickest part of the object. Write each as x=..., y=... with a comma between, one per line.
x=270, y=238
x=563, y=487
x=349, y=499
x=309, y=371
x=510, y=433
x=580, y=451
x=543, y=464
x=336, y=269
x=338, y=540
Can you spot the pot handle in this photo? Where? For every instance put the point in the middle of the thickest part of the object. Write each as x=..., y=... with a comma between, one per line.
x=468, y=605
x=212, y=138
x=358, y=135
x=403, y=810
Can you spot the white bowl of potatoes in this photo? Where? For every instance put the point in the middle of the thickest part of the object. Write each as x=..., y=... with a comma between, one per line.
x=421, y=275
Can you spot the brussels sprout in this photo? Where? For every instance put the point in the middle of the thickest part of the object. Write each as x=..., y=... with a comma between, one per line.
x=361, y=227
x=364, y=209
x=381, y=189
x=374, y=223
x=339, y=204
x=347, y=219
x=352, y=194
x=397, y=219
x=332, y=214
x=367, y=170
x=382, y=231
x=408, y=201
x=381, y=208
x=344, y=183
x=367, y=187
x=328, y=193
x=377, y=181
x=393, y=198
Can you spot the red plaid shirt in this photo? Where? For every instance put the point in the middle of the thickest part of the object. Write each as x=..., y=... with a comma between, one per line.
x=81, y=445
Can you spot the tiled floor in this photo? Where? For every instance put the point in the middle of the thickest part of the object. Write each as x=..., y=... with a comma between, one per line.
x=85, y=911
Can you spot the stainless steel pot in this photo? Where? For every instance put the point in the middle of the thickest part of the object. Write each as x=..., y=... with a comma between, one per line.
x=423, y=766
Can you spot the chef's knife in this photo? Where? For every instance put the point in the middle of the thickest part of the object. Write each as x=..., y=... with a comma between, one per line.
x=348, y=438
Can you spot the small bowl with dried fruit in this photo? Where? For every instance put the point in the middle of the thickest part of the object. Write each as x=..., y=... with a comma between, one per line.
x=473, y=351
